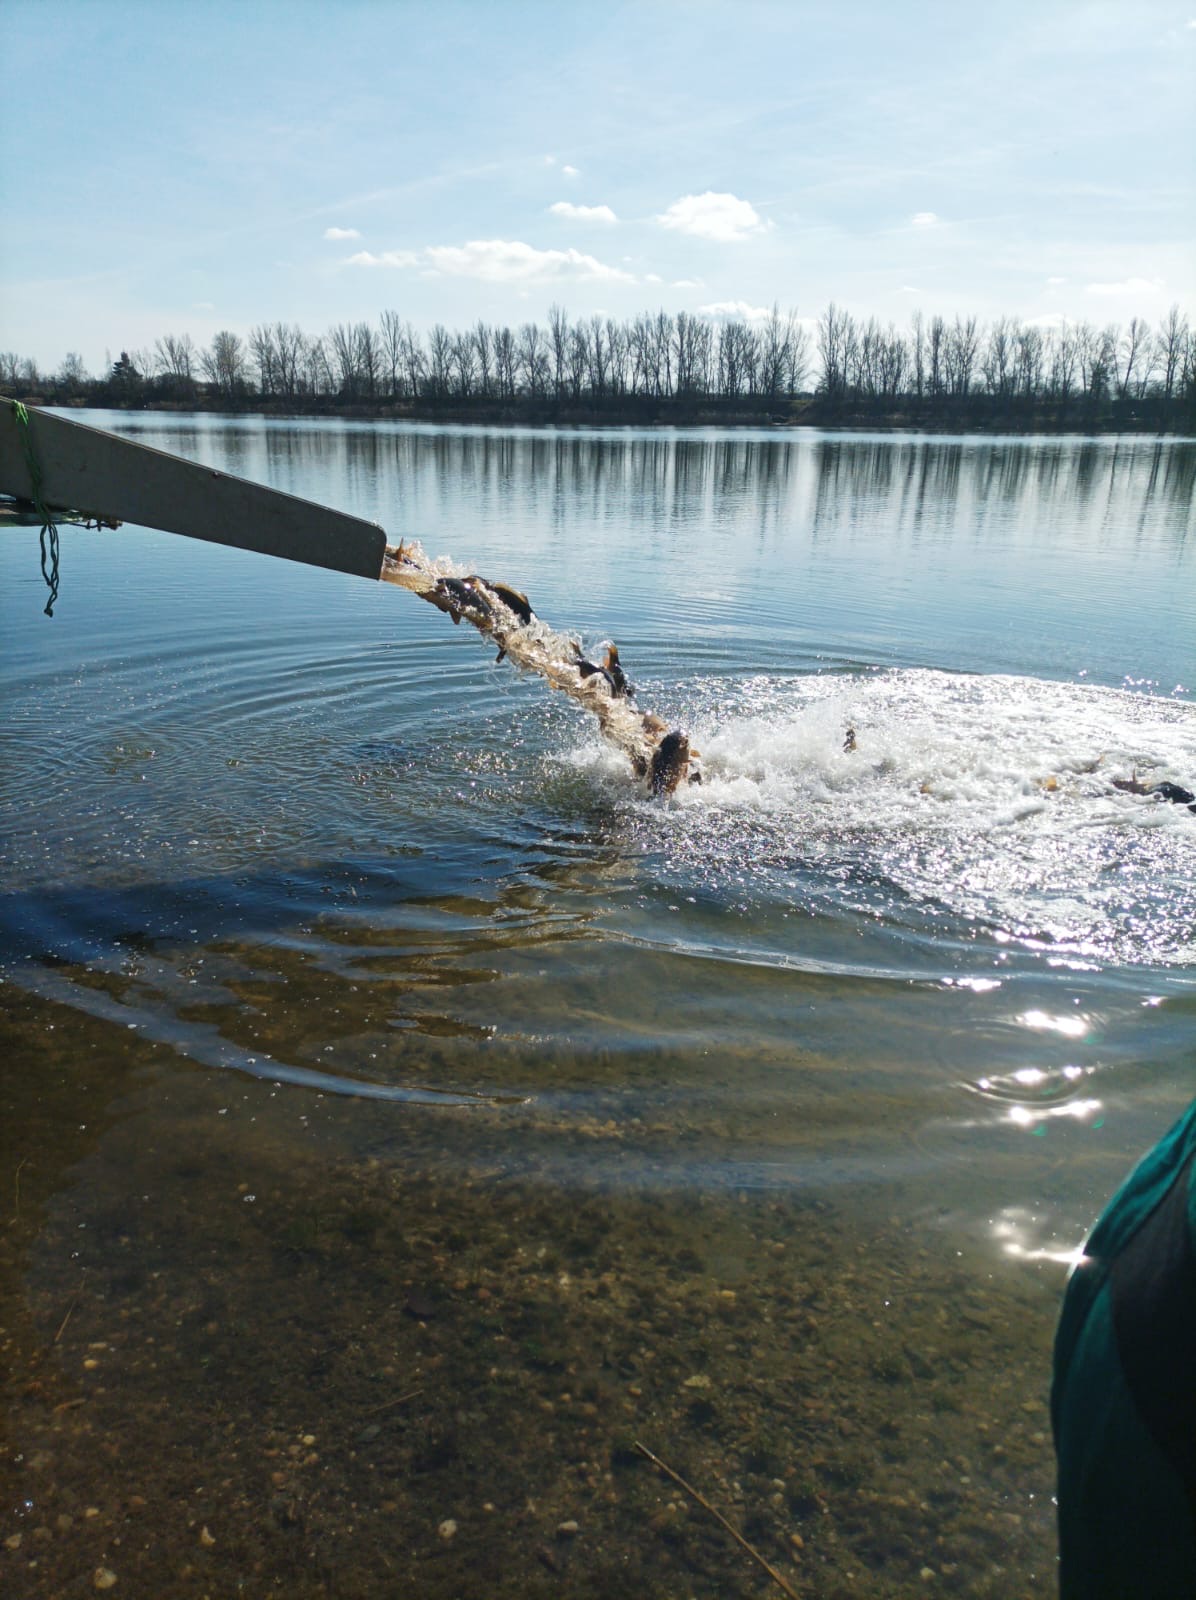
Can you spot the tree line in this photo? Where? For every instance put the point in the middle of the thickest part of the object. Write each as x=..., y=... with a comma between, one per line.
x=664, y=366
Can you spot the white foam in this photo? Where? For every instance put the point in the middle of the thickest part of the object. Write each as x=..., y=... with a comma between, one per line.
x=990, y=797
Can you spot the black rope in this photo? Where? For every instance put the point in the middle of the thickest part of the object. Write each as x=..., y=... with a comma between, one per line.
x=49, y=533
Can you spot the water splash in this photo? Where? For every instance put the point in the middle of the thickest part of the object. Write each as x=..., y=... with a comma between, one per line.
x=985, y=800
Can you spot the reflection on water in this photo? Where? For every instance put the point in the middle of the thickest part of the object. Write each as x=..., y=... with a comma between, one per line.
x=371, y=1036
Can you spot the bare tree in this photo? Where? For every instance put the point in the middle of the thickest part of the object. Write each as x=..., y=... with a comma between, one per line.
x=391, y=333
x=175, y=357
x=223, y=363
x=558, y=343
x=342, y=358
x=1170, y=342
x=414, y=362
x=1063, y=356
x=533, y=360
x=1095, y=354
x=440, y=359
x=483, y=341
x=962, y=345
x=618, y=349
x=996, y=364
x=505, y=362
x=773, y=345
x=368, y=349
x=288, y=352
x=464, y=362
x=936, y=340
x=261, y=353
x=316, y=374
x=918, y=352
x=1131, y=351
x=835, y=341
x=797, y=363
x=1029, y=355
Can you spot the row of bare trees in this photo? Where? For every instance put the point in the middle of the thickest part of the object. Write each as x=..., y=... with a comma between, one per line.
x=599, y=361
x=1008, y=359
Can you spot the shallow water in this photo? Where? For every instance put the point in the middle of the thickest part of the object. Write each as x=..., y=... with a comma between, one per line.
x=369, y=1022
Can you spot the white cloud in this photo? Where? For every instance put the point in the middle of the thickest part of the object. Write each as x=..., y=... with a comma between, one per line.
x=721, y=217
x=924, y=219
x=1053, y=283
x=1128, y=286
x=687, y=283
x=512, y=261
x=739, y=309
x=566, y=208
x=571, y=172
x=341, y=233
x=653, y=277
x=908, y=288
x=388, y=258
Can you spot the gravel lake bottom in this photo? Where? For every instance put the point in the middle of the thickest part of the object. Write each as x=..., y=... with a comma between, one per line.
x=420, y=1368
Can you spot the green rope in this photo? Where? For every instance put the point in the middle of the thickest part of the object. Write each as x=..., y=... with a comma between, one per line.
x=49, y=533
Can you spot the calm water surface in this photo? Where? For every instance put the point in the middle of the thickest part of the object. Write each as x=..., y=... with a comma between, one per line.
x=314, y=920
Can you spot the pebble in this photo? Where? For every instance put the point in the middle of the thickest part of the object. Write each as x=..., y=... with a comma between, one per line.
x=205, y=1538
x=13, y=1542
x=447, y=1529
x=567, y=1530
x=104, y=1578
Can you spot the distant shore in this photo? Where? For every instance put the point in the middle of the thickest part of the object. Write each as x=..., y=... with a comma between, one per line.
x=981, y=414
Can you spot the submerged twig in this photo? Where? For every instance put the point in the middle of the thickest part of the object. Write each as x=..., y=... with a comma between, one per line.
x=70, y=1309
x=772, y=1572
x=16, y=1199
x=389, y=1405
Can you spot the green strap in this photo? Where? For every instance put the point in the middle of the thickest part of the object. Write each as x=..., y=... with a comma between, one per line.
x=49, y=533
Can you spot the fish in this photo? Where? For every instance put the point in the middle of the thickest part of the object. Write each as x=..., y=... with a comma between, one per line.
x=458, y=595
x=513, y=600
x=1166, y=790
x=610, y=670
x=669, y=764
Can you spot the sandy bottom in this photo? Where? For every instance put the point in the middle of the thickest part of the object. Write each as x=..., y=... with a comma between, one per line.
x=261, y=1344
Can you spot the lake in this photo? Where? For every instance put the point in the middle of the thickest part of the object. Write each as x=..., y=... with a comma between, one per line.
x=404, y=1118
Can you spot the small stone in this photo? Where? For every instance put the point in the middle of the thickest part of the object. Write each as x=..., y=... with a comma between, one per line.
x=927, y=1573
x=447, y=1529
x=104, y=1578
x=698, y=1381
x=567, y=1530
x=308, y=1439
x=13, y=1542
x=205, y=1538
x=796, y=1540
x=92, y=1511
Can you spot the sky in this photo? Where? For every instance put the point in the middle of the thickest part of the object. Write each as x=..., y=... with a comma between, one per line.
x=184, y=166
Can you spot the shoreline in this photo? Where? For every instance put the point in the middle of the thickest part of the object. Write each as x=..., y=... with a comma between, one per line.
x=810, y=415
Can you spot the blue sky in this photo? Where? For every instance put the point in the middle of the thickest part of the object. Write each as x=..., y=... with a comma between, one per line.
x=189, y=165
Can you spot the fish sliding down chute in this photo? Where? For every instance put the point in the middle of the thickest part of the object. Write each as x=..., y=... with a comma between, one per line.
x=658, y=754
